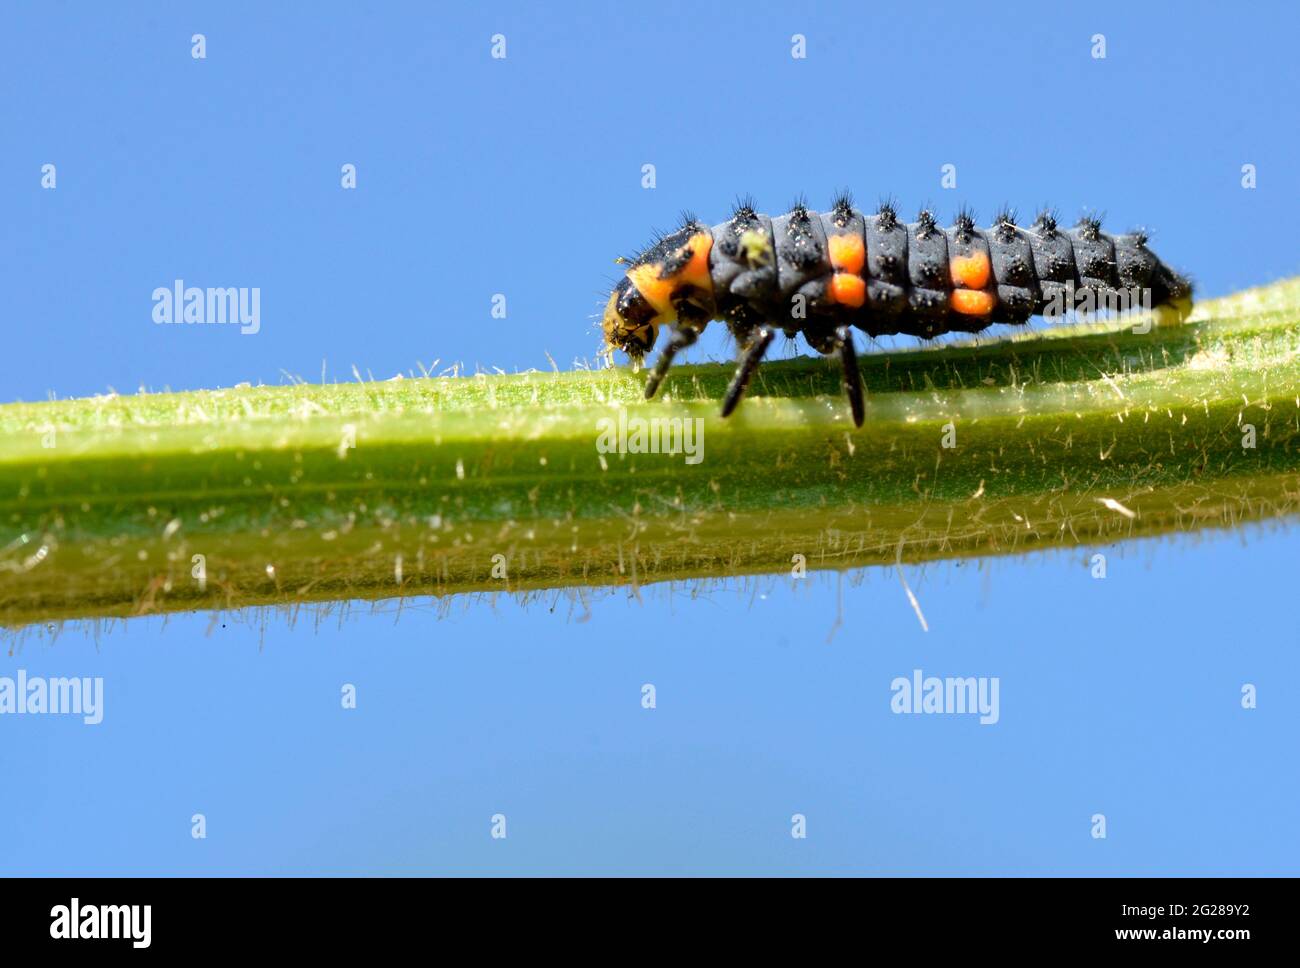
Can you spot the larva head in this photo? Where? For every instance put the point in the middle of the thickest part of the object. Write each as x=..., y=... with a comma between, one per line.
x=630, y=324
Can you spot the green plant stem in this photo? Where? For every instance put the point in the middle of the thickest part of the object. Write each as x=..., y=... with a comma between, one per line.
x=1063, y=436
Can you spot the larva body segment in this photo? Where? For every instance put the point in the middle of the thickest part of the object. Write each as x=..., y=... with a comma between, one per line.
x=1012, y=259
x=822, y=274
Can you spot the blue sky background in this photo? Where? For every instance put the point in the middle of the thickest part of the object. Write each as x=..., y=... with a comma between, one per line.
x=523, y=176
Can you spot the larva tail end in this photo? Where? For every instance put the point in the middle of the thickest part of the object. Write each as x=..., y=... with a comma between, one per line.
x=1173, y=313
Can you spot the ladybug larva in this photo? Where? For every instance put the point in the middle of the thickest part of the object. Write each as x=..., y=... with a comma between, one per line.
x=821, y=274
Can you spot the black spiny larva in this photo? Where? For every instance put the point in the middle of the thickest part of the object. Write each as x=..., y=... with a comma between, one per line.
x=824, y=274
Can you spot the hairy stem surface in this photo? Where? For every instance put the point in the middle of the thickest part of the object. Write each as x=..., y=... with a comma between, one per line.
x=129, y=505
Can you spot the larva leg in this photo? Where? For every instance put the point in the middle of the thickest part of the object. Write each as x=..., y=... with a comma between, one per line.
x=852, y=378
x=681, y=338
x=691, y=320
x=748, y=364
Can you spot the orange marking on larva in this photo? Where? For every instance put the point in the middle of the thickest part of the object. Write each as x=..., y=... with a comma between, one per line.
x=696, y=272
x=970, y=271
x=971, y=302
x=848, y=289
x=848, y=254
x=658, y=292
